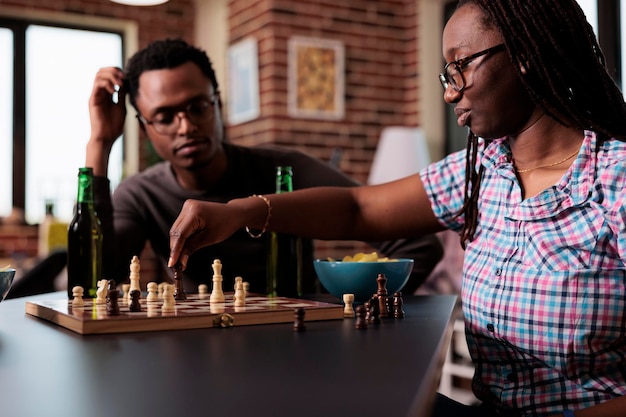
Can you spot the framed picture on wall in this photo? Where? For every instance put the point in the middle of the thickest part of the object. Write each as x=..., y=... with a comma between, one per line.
x=243, y=82
x=315, y=78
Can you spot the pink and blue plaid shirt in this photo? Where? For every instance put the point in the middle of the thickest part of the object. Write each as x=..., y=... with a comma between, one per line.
x=544, y=282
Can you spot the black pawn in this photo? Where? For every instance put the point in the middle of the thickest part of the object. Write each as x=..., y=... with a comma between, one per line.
x=135, y=306
x=298, y=324
x=374, y=310
x=113, y=307
x=361, y=321
x=398, y=312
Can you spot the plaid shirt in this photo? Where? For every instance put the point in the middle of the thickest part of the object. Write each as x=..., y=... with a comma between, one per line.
x=544, y=282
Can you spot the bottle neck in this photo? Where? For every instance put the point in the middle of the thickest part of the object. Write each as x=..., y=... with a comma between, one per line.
x=85, y=189
x=284, y=180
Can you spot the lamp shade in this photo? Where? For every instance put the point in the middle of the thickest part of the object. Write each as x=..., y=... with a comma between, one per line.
x=140, y=2
x=402, y=151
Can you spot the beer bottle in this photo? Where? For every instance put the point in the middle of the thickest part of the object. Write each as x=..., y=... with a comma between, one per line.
x=84, y=240
x=284, y=267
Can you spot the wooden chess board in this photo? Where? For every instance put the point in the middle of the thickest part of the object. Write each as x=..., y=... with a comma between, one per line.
x=193, y=313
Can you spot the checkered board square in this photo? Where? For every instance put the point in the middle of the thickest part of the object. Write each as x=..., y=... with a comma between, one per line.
x=193, y=313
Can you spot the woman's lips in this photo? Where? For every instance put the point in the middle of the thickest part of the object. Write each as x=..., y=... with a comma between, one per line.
x=463, y=116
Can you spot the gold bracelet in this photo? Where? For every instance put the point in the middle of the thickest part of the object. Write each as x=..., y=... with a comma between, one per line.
x=267, y=218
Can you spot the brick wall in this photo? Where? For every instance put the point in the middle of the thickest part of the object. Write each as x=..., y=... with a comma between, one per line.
x=379, y=38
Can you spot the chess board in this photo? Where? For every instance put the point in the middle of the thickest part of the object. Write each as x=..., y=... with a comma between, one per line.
x=193, y=313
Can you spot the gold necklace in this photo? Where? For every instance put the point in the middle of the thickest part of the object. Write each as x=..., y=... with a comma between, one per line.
x=521, y=171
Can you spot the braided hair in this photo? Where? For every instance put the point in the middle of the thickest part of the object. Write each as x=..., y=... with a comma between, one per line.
x=565, y=74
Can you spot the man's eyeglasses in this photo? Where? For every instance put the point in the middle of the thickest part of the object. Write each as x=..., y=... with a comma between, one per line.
x=167, y=122
x=452, y=74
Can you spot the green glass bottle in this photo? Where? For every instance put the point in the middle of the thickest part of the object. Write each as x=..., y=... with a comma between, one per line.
x=84, y=240
x=284, y=266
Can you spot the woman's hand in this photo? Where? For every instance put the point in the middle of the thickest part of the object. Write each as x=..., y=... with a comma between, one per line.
x=203, y=223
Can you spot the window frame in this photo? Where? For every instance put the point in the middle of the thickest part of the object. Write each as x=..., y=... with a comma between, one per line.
x=18, y=21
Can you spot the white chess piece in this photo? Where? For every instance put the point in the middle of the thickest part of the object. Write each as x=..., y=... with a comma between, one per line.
x=237, y=280
x=246, y=287
x=77, y=293
x=348, y=300
x=134, y=276
x=169, y=302
x=102, y=292
x=125, y=290
x=152, y=292
x=240, y=295
x=203, y=290
x=160, y=289
x=217, y=295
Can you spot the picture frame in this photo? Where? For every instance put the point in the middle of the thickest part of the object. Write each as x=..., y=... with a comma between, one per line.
x=243, y=82
x=316, y=84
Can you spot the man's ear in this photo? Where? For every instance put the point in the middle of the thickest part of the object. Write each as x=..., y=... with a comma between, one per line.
x=219, y=115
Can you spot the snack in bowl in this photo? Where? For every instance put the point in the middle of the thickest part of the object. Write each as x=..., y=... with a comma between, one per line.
x=363, y=257
x=359, y=277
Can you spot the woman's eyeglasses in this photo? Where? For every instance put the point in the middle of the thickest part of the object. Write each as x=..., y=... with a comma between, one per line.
x=452, y=74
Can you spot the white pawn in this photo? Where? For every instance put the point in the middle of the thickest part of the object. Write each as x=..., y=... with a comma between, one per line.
x=203, y=290
x=246, y=287
x=152, y=292
x=237, y=280
x=160, y=289
x=169, y=302
x=348, y=300
x=77, y=293
x=134, y=276
x=125, y=290
x=240, y=295
x=217, y=295
x=102, y=292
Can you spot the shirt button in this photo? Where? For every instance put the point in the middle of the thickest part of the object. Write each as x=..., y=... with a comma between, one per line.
x=498, y=272
x=490, y=327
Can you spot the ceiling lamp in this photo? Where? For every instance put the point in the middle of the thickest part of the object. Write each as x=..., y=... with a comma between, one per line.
x=140, y=2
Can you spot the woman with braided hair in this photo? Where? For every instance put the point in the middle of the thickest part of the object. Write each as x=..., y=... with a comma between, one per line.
x=538, y=199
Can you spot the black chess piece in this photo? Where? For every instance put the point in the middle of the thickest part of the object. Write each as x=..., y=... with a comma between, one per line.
x=298, y=324
x=383, y=305
x=179, y=290
x=361, y=321
x=398, y=312
x=135, y=305
x=374, y=308
x=113, y=308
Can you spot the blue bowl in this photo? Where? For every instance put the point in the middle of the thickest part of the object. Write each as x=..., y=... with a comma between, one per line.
x=359, y=278
x=6, y=280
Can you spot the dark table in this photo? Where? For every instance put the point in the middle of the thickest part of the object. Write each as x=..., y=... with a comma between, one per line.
x=331, y=369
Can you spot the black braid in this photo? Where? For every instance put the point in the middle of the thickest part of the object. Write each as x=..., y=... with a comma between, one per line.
x=566, y=75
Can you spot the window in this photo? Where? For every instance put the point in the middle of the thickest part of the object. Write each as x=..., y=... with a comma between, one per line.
x=55, y=67
x=6, y=120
